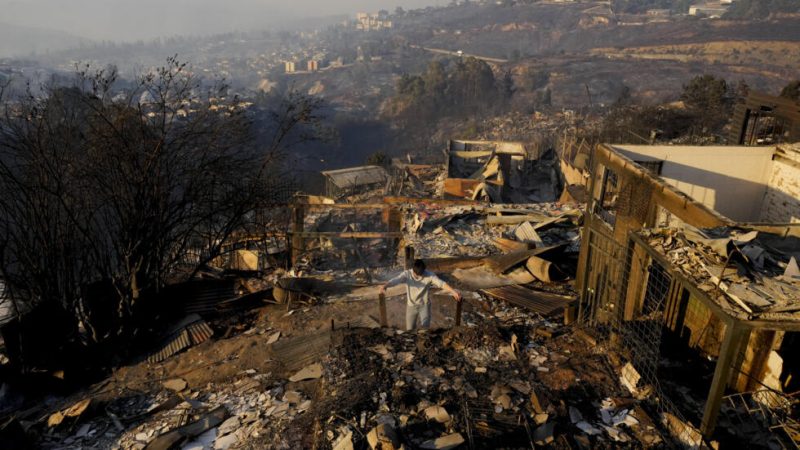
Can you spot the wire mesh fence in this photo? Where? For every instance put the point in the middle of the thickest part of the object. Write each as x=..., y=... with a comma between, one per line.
x=764, y=415
x=616, y=277
x=671, y=346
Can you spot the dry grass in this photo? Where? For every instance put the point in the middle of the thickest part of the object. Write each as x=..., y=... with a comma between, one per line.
x=768, y=53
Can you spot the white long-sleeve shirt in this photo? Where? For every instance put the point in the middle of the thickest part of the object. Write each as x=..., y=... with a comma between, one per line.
x=417, y=288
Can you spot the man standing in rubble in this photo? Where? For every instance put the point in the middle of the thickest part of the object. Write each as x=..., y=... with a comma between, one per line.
x=418, y=283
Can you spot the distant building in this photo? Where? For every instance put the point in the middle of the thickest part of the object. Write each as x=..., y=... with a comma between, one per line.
x=659, y=12
x=313, y=65
x=712, y=10
x=372, y=22
x=290, y=67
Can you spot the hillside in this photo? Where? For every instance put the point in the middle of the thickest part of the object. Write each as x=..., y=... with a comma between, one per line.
x=19, y=41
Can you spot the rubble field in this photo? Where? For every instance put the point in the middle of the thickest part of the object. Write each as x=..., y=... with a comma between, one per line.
x=505, y=379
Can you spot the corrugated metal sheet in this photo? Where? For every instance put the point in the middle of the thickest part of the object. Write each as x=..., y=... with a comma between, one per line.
x=544, y=303
x=356, y=176
x=202, y=297
x=174, y=345
x=526, y=233
x=189, y=332
x=298, y=352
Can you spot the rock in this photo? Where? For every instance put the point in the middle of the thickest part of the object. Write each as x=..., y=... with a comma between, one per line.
x=574, y=415
x=203, y=441
x=588, y=428
x=273, y=338
x=405, y=357
x=383, y=350
x=630, y=378
x=175, y=384
x=141, y=437
x=229, y=426
x=437, y=413
x=304, y=406
x=222, y=443
x=444, y=443
x=543, y=435
x=292, y=397
x=498, y=390
x=615, y=434
x=83, y=431
x=344, y=441
x=311, y=372
x=504, y=401
x=523, y=387
x=384, y=436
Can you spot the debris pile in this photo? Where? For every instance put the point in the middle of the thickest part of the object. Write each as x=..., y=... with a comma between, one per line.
x=501, y=172
x=518, y=381
x=749, y=273
x=416, y=180
x=478, y=230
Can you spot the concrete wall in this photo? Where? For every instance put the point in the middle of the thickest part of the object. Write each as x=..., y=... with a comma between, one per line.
x=731, y=180
x=782, y=199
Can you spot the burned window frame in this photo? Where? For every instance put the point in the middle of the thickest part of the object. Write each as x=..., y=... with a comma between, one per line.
x=607, y=211
x=763, y=126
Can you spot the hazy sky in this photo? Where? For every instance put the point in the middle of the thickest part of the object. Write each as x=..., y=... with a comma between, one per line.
x=142, y=19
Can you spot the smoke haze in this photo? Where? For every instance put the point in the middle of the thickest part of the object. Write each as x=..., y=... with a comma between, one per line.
x=60, y=23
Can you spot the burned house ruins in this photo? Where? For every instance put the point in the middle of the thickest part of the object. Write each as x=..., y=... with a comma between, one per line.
x=660, y=313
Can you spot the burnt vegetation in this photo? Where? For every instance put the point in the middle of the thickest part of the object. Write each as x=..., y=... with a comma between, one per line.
x=465, y=88
x=108, y=195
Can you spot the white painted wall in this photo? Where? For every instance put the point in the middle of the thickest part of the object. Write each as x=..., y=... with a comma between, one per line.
x=730, y=180
x=782, y=202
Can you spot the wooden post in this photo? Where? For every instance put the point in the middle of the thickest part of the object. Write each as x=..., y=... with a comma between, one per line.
x=458, y=312
x=298, y=217
x=734, y=337
x=394, y=223
x=382, y=306
x=409, y=257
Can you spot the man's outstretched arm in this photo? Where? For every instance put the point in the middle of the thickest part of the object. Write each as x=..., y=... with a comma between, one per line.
x=438, y=282
x=456, y=295
x=393, y=282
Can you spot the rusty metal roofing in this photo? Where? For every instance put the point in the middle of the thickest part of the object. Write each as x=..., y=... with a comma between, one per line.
x=544, y=303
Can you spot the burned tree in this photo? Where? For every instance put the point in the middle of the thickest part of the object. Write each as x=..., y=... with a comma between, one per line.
x=107, y=195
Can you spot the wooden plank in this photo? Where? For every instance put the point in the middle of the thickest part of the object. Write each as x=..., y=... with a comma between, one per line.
x=731, y=344
x=382, y=306
x=457, y=187
x=430, y=201
x=343, y=205
x=501, y=263
x=451, y=264
x=171, y=439
x=298, y=246
x=513, y=220
x=510, y=245
x=350, y=234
